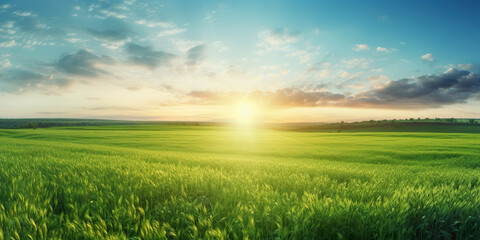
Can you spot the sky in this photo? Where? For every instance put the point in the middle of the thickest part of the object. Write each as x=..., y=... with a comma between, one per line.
x=291, y=61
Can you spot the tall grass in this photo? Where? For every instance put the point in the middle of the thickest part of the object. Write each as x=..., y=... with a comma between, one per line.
x=169, y=182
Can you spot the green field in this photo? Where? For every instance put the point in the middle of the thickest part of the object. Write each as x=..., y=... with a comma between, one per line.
x=187, y=182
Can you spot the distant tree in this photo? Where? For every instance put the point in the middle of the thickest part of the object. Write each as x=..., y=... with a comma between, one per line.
x=411, y=119
x=451, y=120
x=471, y=121
x=32, y=125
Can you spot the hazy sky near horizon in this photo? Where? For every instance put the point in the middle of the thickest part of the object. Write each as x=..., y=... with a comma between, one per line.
x=299, y=61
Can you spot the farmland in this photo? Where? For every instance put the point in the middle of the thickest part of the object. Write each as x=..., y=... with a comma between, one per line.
x=216, y=182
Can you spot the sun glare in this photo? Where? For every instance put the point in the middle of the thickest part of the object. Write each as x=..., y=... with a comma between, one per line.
x=246, y=114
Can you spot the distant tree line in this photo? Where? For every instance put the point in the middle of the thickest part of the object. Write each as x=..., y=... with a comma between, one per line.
x=389, y=123
x=425, y=120
x=46, y=123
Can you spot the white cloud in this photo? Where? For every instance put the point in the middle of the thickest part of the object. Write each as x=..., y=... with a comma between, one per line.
x=5, y=63
x=360, y=47
x=220, y=46
x=324, y=73
x=344, y=74
x=156, y=24
x=77, y=8
x=113, y=14
x=8, y=44
x=277, y=40
x=279, y=36
x=92, y=7
x=468, y=66
x=185, y=45
x=74, y=40
x=303, y=55
x=169, y=32
x=5, y=6
x=8, y=24
x=129, y=2
x=428, y=57
x=403, y=43
x=382, y=49
x=357, y=63
x=386, y=50
x=319, y=69
x=24, y=14
x=209, y=16
x=377, y=78
x=115, y=45
x=9, y=31
x=289, y=42
x=32, y=43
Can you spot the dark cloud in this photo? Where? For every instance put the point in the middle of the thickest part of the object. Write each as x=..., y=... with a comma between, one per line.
x=146, y=56
x=20, y=80
x=32, y=28
x=83, y=63
x=52, y=78
x=15, y=79
x=196, y=54
x=115, y=31
x=428, y=91
x=114, y=35
x=33, y=25
x=452, y=86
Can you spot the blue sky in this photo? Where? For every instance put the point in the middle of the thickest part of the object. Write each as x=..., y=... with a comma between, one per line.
x=195, y=60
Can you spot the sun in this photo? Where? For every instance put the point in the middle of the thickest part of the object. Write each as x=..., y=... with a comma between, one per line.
x=247, y=114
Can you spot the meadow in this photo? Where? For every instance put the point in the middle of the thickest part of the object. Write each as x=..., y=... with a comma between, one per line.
x=214, y=182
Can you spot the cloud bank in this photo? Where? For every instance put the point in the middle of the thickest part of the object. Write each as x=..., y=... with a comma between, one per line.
x=20, y=80
x=83, y=63
x=147, y=57
x=427, y=91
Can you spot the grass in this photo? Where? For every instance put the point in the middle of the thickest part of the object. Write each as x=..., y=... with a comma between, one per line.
x=185, y=182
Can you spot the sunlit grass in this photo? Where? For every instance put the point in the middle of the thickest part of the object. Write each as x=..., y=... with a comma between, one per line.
x=166, y=182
